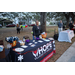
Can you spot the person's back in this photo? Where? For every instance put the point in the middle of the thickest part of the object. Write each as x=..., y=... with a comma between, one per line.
x=17, y=25
x=18, y=29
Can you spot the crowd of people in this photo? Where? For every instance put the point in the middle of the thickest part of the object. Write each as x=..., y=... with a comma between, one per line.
x=36, y=29
x=62, y=27
x=71, y=25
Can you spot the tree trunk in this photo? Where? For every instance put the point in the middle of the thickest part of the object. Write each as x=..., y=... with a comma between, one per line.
x=68, y=15
x=72, y=16
x=67, y=25
x=73, y=19
x=43, y=21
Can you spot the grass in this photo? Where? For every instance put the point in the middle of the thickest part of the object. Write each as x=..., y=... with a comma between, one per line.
x=50, y=30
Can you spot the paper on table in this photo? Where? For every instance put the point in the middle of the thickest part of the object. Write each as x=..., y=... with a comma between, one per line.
x=46, y=40
x=20, y=41
x=19, y=49
x=40, y=41
x=30, y=43
x=35, y=42
x=24, y=46
x=51, y=38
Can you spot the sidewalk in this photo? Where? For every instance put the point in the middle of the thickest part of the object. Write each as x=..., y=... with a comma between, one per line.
x=68, y=55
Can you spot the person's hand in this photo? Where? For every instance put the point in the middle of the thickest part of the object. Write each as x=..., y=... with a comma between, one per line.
x=34, y=36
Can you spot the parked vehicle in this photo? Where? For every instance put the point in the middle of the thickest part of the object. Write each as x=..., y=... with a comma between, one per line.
x=31, y=25
x=0, y=26
x=10, y=25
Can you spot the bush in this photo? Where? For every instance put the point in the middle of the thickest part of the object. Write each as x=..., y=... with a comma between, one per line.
x=51, y=23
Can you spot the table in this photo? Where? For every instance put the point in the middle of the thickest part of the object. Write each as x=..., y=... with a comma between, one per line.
x=2, y=54
x=7, y=56
x=39, y=53
x=66, y=36
x=73, y=30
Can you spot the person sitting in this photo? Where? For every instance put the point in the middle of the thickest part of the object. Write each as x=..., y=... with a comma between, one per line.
x=63, y=26
x=71, y=25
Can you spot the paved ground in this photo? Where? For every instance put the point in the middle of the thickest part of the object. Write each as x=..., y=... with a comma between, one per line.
x=68, y=55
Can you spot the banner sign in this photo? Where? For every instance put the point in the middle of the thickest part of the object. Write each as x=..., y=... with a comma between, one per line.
x=40, y=54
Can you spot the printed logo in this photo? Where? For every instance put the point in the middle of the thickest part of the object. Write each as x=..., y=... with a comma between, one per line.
x=42, y=50
x=35, y=51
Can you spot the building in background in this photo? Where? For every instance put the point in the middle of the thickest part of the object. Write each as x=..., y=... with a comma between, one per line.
x=22, y=21
x=5, y=22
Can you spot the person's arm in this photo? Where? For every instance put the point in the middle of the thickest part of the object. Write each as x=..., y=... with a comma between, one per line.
x=62, y=25
x=58, y=24
x=34, y=30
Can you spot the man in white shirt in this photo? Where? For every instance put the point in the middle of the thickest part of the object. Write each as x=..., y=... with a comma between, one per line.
x=60, y=26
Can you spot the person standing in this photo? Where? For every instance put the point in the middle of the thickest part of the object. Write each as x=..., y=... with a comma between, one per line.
x=36, y=30
x=71, y=25
x=18, y=29
x=60, y=26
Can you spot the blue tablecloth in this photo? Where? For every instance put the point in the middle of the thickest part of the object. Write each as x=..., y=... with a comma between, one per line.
x=41, y=52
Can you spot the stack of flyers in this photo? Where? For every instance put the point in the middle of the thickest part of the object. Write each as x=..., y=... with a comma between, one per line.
x=46, y=40
x=24, y=46
x=32, y=45
x=35, y=42
x=51, y=38
x=40, y=41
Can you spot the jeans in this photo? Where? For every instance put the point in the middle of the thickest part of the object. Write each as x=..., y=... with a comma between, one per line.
x=59, y=30
x=35, y=38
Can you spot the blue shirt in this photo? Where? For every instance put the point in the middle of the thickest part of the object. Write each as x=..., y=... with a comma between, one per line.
x=60, y=25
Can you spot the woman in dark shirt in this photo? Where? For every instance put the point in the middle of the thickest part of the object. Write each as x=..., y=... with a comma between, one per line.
x=18, y=29
x=36, y=30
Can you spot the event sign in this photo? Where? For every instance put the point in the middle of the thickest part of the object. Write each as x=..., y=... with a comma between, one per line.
x=40, y=53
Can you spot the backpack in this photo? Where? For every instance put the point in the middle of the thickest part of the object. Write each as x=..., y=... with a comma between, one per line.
x=55, y=35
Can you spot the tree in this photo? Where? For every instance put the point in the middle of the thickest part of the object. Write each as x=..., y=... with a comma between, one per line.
x=43, y=21
x=67, y=15
x=73, y=16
